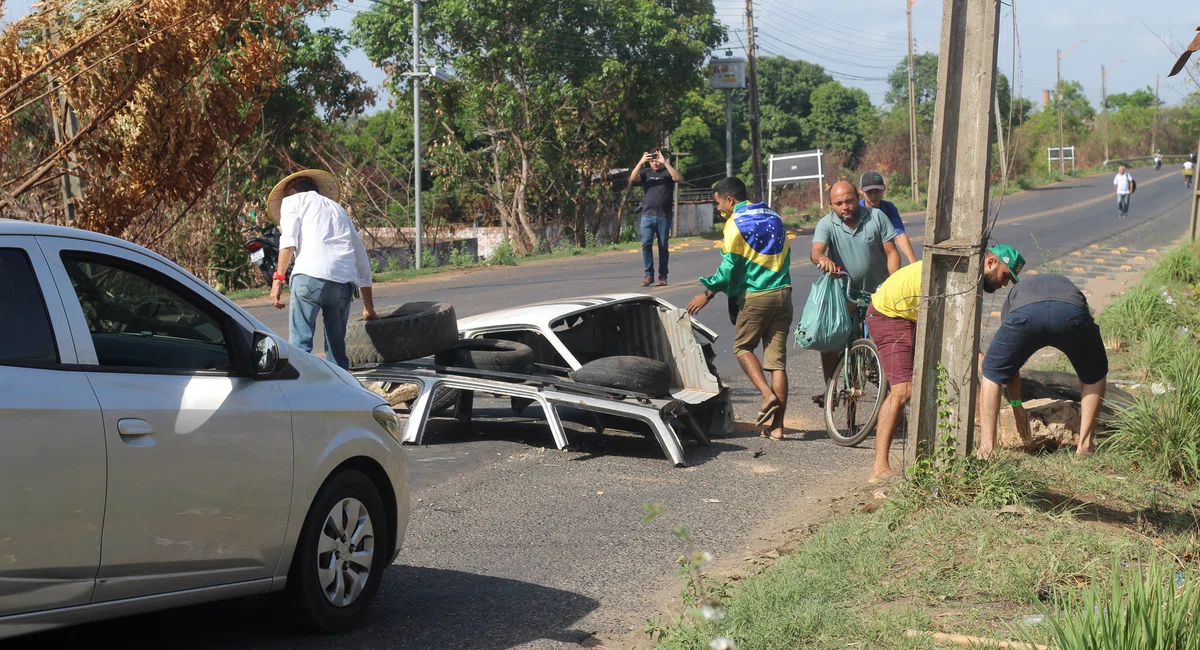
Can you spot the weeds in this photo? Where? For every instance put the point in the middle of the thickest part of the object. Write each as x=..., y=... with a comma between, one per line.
x=701, y=594
x=1161, y=433
x=1180, y=265
x=1131, y=316
x=1154, y=609
x=504, y=255
x=1049, y=264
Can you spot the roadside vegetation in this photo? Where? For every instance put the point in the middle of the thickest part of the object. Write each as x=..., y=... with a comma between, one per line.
x=1098, y=553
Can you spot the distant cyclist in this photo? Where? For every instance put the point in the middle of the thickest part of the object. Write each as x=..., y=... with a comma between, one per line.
x=1157, y=160
x=1188, y=168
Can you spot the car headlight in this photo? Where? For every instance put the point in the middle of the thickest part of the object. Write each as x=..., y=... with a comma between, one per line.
x=387, y=418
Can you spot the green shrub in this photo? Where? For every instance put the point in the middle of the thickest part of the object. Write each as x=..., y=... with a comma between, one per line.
x=1180, y=265
x=1157, y=608
x=504, y=255
x=1161, y=433
x=1134, y=314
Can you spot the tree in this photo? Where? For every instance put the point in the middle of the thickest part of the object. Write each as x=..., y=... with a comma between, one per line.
x=1140, y=98
x=1076, y=109
x=547, y=96
x=842, y=118
x=165, y=93
x=925, y=85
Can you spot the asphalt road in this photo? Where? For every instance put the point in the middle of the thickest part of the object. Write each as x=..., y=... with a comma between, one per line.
x=514, y=544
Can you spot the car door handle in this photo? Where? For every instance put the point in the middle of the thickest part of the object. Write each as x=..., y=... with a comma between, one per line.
x=134, y=428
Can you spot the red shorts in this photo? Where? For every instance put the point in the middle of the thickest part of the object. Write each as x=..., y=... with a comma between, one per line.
x=896, y=339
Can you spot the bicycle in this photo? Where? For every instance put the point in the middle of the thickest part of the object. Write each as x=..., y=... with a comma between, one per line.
x=858, y=383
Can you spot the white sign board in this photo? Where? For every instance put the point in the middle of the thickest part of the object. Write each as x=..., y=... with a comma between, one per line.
x=1053, y=154
x=796, y=167
x=727, y=73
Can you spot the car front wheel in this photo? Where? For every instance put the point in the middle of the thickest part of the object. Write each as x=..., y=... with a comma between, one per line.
x=341, y=555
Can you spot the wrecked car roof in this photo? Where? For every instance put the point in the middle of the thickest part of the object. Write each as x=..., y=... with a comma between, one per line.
x=542, y=314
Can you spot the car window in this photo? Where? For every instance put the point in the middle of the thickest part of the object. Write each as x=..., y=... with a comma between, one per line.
x=26, y=336
x=138, y=321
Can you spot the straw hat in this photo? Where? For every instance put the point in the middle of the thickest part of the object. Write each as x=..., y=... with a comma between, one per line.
x=327, y=185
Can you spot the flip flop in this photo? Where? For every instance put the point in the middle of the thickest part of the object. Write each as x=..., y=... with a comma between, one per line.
x=765, y=415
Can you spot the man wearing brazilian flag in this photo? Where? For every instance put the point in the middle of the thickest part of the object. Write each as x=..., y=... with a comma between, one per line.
x=755, y=261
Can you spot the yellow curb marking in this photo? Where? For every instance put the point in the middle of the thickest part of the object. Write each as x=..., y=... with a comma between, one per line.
x=1126, y=267
x=1140, y=258
x=1032, y=272
x=1103, y=277
x=1099, y=259
x=1118, y=252
x=995, y=314
x=1078, y=253
x=1094, y=246
x=1151, y=250
x=1124, y=248
x=1078, y=269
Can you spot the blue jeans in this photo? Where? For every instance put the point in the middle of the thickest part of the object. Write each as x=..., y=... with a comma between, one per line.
x=655, y=228
x=1123, y=204
x=1048, y=324
x=332, y=299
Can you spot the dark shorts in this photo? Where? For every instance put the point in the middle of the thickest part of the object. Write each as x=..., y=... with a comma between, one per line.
x=1050, y=324
x=895, y=338
x=765, y=318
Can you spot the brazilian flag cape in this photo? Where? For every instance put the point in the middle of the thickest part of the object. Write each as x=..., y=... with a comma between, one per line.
x=755, y=255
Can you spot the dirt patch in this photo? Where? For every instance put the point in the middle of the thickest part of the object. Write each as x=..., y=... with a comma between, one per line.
x=763, y=545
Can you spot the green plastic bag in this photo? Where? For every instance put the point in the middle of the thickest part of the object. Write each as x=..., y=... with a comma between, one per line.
x=825, y=324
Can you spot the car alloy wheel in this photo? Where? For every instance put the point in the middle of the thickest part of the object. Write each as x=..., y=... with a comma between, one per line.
x=345, y=552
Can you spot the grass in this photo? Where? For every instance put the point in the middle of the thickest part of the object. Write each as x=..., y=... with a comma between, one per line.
x=863, y=579
x=1106, y=547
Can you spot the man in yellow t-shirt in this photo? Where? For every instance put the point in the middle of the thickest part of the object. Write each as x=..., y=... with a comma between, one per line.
x=892, y=325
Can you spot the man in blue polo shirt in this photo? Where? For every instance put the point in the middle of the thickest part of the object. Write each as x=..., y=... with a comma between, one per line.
x=872, y=186
x=859, y=240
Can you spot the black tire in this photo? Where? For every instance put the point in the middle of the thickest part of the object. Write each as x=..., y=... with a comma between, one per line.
x=860, y=412
x=635, y=374
x=480, y=354
x=411, y=331
x=309, y=605
x=488, y=354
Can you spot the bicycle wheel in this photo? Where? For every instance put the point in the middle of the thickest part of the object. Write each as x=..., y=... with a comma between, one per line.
x=855, y=394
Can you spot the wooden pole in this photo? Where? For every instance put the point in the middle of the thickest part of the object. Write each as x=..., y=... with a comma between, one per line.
x=955, y=223
x=913, y=160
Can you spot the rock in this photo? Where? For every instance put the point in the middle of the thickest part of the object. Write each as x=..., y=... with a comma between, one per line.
x=1053, y=423
x=399, y=395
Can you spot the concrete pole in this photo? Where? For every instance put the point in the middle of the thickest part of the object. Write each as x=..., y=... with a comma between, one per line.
x=1154, y=125
x=1194, y=229
x=913, y=160
x=1059, y=101
x=755, y=135
x=416, y=84
x=1000, y=141
x=955, y=223
x=728, y=133
x=1104, y=107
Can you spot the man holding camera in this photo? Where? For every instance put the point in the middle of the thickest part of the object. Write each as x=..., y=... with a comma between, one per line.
x=656, y=211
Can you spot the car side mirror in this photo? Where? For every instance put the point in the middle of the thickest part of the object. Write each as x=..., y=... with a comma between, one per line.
x=268, y=356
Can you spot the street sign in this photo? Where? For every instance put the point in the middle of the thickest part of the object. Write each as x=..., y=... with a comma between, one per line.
x=794, y=168
x=727, y=73
x=1052, y=155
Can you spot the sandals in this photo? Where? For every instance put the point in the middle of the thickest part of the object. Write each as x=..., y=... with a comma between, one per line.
x=765, y=415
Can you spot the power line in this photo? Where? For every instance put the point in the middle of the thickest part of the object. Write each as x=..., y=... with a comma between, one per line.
x=821, y=56
x=812, y=20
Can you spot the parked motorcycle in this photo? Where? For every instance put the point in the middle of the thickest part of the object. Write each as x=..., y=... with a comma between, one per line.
x=264, y=250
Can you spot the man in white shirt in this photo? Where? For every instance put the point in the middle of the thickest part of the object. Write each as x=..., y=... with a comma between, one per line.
x=1122, y=187
x=1188, y=168
x=331, y=260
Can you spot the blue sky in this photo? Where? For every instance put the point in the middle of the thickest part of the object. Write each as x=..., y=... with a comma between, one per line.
x=859, y=41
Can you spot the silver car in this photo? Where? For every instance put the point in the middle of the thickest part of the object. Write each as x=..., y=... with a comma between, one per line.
x=161, y=447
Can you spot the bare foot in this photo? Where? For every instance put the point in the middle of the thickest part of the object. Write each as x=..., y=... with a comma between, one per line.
x=777, y=434
x=1084, y=453
x=885, y=475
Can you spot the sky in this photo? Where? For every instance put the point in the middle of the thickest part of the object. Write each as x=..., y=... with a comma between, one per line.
x=860, y=41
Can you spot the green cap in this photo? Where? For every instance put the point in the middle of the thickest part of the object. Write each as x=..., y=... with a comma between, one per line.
x=1011, y=258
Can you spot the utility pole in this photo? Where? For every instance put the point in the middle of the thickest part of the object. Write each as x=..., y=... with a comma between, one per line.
x=755, y=139
x=1154, y=126
x=913, y=161
x=1000, y=140
x=728, y=132
x=416, y=85
x=1104, y=107
x=956, y=221
x=65, y=127
x=1058, y=102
